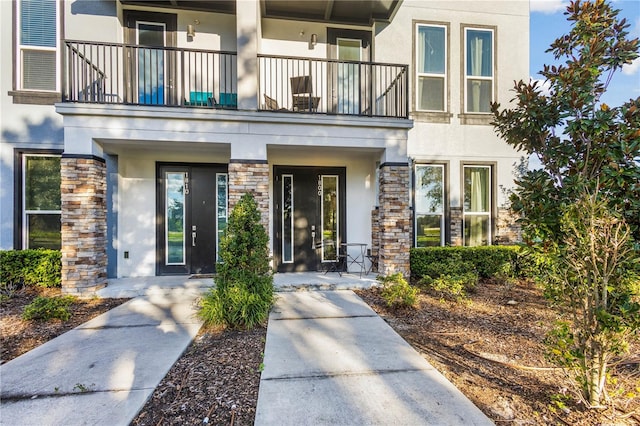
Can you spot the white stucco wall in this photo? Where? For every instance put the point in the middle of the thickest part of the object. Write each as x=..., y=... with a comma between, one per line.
x=456, y=142
x=21, y=127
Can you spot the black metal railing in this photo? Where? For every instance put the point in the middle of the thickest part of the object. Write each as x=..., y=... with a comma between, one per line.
x=117, y=73
x=333, y=87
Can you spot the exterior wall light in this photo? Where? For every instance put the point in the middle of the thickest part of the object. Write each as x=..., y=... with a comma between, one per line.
x=191, y=29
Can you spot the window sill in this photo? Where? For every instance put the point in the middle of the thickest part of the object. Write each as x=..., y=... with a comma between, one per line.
x=432, y=117
x=35, y=97
x=483, y=119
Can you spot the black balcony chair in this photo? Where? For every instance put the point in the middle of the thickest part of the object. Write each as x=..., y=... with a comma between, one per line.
x=302, y=94
x=271, y=104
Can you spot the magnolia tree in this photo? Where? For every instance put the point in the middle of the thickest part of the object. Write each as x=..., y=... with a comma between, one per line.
x=581, y=210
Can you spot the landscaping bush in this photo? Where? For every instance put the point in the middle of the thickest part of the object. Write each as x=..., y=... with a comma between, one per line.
x=451, y=278
x=487, y=261
x=451, y=287
x=46, y=308
x=397, y=292
x=448, y=267
x=39, y=267
x=244, y=289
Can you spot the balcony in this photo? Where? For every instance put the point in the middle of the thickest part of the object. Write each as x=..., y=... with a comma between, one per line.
x=113, y=73
x=326, y=86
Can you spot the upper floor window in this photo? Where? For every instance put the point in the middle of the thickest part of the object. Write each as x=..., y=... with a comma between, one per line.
x=479, y=69
x=431, y=67
x=37, y=45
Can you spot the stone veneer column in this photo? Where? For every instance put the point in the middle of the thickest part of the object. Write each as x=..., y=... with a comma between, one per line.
x=250, y=176
x=394, y=219
x=455, y=227
x=84, y=224
x=375, y=230
x=508, y=230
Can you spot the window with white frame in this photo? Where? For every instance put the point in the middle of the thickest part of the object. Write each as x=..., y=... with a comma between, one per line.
x=41, y=205
x=479, y=78
x=431, y=67
x=37, y=38
x=477, y=205
x=429, y=205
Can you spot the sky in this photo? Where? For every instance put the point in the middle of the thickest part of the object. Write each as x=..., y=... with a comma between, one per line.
x=548, y=23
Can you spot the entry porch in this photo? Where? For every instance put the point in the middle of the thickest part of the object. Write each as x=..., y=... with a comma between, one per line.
x=292, y=281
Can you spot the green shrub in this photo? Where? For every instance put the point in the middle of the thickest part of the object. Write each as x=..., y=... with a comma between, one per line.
x=46, y=308
x=39, y=267
x=487, y=261
x=244, y=289
x=397, y=292
x=448, y=267
x=236, y=307
x=451, y=287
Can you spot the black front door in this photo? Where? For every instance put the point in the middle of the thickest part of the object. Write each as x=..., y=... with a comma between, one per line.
x=192, y=214
x=309, y=216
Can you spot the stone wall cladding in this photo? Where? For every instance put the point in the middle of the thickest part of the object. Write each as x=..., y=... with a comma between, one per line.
x=375, y=231
x=84, y=225
x=253, y=177
x=455, y=229
x=394, y=219
x=508, y=230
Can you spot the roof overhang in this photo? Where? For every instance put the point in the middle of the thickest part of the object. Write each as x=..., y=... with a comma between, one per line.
x=351, y=12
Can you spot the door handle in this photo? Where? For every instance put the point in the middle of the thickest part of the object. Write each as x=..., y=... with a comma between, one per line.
x=313, y=237
x=193, y=239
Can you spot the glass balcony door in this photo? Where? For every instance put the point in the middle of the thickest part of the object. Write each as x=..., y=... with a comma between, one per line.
x=150, y=72
x=151, y=62
x=349, y=79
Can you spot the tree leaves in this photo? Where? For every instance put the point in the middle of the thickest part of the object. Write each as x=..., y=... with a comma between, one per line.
x=579, y=140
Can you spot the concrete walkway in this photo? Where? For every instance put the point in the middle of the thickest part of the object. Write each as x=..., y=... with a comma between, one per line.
x=102, y=372
x=331, y=360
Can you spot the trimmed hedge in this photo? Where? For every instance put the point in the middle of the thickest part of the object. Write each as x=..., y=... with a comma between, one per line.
x=30, y=267
x=487, y=261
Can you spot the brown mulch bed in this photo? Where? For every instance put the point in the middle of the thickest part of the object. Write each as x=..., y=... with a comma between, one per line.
x=491, y=348
x=215, y=382
x=18, y=336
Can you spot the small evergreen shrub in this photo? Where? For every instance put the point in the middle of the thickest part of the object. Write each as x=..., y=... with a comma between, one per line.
x=38, y=267
x=244, y=289
x=47, y=308
x=397, y=292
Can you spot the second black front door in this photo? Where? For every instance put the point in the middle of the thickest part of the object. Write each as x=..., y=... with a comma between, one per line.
x=309, y=216
x=192, y=215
